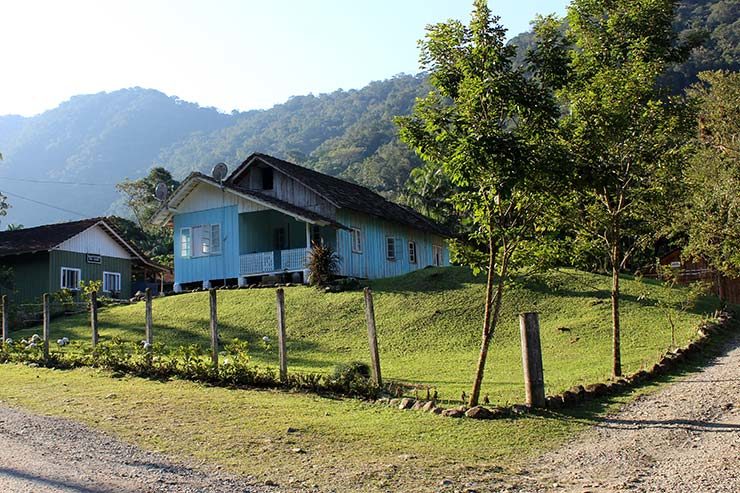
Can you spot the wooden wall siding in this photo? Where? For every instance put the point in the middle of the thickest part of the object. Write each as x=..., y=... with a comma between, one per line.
x=257, y=231
x=287, y=189
x=222, y=266
x=206, y=196
x=95, y=240
x=89, y=272
x=31, y=272
x=372, y=262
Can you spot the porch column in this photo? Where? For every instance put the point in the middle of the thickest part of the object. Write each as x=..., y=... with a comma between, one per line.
x=308, y=236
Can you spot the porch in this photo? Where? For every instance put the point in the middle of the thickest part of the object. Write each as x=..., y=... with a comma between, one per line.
x=271, y=242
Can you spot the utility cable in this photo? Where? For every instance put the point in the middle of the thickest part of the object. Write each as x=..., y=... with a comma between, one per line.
x=50, y=182
x=11, y=194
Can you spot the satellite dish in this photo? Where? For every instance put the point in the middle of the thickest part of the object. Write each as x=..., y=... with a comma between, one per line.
x=219, y=172
x=160, y=191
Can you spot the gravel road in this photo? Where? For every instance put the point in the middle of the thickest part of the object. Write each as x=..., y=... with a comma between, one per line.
x=685, y=438
x=43, y=455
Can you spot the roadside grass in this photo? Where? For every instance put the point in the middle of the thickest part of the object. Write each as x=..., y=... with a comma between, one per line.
x=344, y=444
x=428, y=327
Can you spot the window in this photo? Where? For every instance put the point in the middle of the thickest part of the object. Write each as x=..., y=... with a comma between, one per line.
x=205, y=239
x=215, y=239
x=390, y=248
x=412, y=252
x=71, y=278
x=356, y=234
x=201, y=241
x=267, y=178
x=111, y=282
x=316, y=234
x=437, y=255
x=186, y=247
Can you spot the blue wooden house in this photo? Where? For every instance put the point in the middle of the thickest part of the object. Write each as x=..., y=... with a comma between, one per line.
x=262, y=220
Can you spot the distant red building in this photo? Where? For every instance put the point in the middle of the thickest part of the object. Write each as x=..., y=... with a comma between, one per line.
x=728, y=289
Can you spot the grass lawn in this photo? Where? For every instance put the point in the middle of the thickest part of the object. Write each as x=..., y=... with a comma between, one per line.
x=428, y=327
x=346, y=445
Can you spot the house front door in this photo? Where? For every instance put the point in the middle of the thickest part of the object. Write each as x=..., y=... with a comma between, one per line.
x=279, y=242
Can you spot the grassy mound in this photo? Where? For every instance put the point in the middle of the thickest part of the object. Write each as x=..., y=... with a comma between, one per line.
x=428, y=327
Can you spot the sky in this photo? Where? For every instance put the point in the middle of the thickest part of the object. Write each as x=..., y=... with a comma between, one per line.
x=229, y=54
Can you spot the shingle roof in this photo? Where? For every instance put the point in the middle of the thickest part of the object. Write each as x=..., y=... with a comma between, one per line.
x=347, y=195
x=41, y=238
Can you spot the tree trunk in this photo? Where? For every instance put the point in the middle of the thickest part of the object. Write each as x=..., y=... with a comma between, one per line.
x=616, y=350
x=490, y=319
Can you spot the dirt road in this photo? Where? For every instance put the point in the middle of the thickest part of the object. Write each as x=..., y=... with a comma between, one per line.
x=44, y=455
x=685, y=438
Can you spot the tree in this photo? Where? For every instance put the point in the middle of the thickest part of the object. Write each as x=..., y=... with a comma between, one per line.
x=488, y=127
x=3, y=199
x=625, y=137
x=140, y=197
x=712, y=217
x=14, y=227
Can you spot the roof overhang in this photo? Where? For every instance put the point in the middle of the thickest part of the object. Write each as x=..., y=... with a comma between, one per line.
x=165, y=213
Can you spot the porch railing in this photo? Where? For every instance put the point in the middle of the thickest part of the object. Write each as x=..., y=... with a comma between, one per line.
x=255, y=263
x=281, y=260
x=294, y=259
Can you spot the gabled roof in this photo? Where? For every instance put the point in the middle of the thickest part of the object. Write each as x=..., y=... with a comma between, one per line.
x=47, y=237
x=189, y=183
x=343, y=194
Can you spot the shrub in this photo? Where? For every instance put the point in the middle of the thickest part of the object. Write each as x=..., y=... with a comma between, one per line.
x=323, y=265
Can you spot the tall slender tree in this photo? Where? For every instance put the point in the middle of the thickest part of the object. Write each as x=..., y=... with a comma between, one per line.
x=490, y=129
x=712, y=218
x=625, y=137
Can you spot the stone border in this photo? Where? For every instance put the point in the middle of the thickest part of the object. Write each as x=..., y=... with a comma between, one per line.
x=723, y=322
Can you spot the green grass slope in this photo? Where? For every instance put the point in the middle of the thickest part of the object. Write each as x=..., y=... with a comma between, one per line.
x=428, y=327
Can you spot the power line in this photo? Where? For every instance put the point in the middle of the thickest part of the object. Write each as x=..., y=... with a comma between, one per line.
x=44, y=204
x=29, y=180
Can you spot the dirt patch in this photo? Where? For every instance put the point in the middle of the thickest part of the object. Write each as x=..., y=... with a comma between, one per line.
x=686, y=438
x=41, y=455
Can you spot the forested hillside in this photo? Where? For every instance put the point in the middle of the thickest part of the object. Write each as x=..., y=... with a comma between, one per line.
x=106, y=137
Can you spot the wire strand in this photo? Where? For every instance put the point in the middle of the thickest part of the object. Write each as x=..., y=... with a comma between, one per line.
x=50, y=182
x=11, y=194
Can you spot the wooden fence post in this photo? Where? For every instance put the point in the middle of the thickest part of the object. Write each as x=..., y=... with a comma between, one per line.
x=47, y=326
x=534, y=381
x=281, y=334
x=372, y=336
x=5, y=317
x=149, y=336
x=94, y=317
x=214, y=328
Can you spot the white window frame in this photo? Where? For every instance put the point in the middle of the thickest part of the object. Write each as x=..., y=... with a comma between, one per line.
x=413, y=257
x=114, y=275
x=356, y=240
x=388, y=249
x=186, y=248
x=79, y=278
x=435, y=249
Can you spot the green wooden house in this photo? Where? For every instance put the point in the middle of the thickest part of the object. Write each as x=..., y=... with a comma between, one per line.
x=49, y=258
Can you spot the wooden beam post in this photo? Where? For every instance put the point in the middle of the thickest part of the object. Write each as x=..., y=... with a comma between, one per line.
x=281, y=334
x=94, y=317
x=214, y=328
x=47, y=326
x=149, y=320
x=372, y=336
x=4, y=315
x=534, y=381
